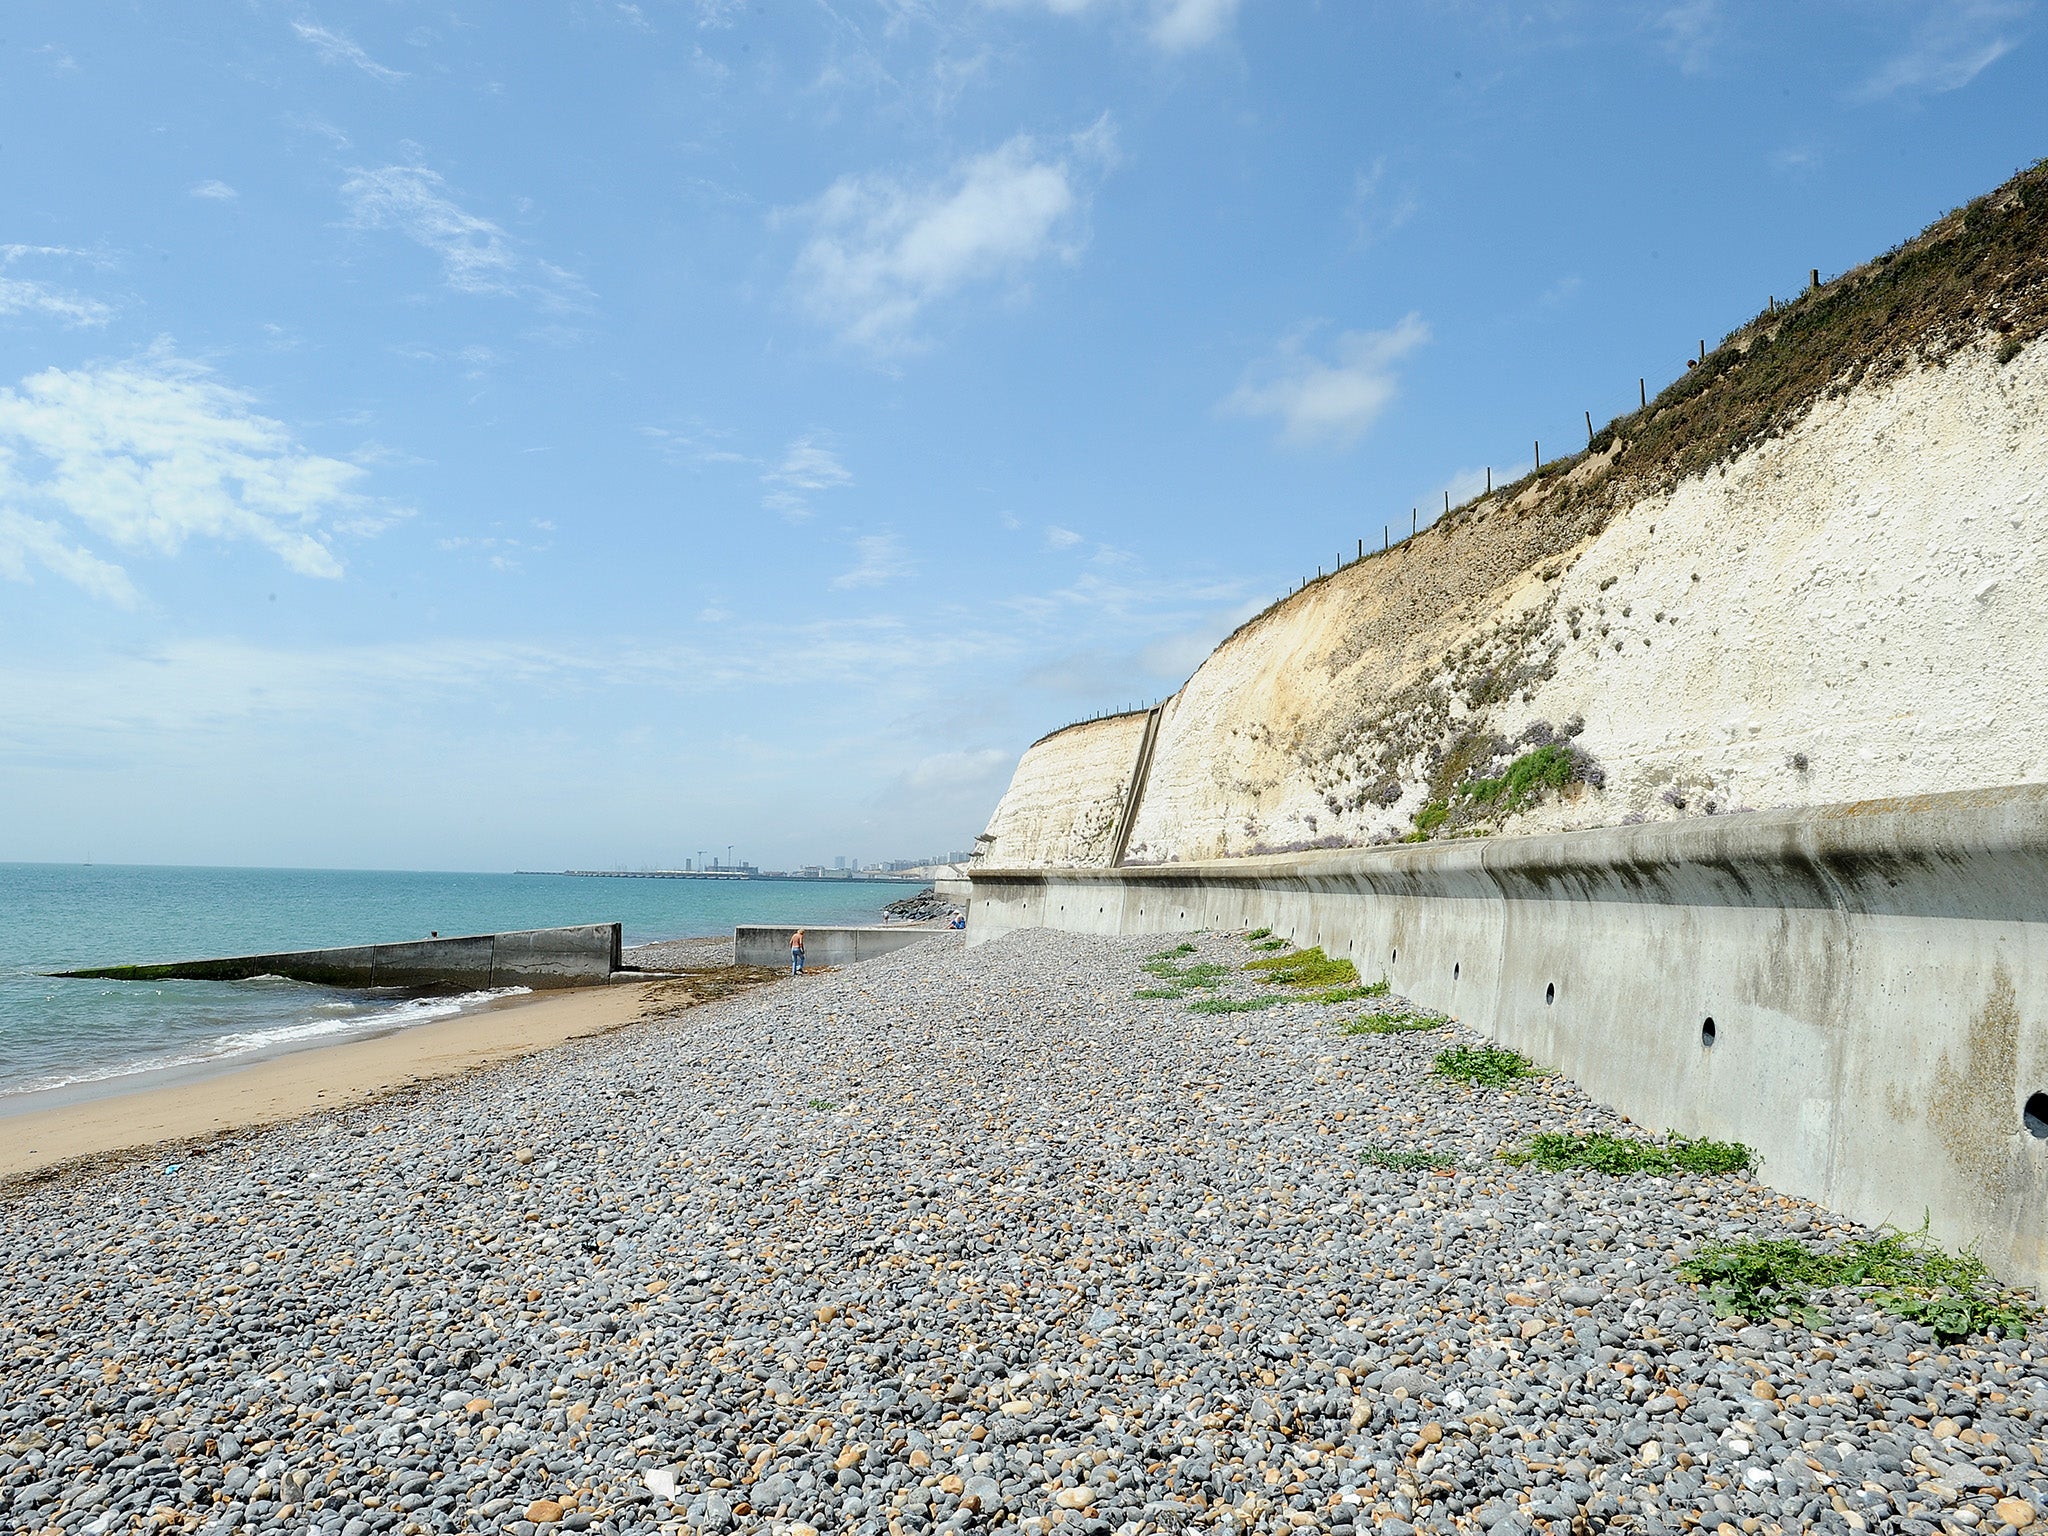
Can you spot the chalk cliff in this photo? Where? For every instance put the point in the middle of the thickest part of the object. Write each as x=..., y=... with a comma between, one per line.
x=1810, y=571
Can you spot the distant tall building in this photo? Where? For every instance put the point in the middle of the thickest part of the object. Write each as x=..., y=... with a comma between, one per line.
x=839, y=861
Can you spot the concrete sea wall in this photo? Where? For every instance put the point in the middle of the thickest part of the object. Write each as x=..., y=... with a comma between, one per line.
x=536, y=957
x=1859, y=991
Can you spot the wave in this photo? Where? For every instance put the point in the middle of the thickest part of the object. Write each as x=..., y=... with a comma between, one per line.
x=357, y=1019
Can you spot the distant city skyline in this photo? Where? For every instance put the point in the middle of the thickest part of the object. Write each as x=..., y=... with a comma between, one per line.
x=510, y=441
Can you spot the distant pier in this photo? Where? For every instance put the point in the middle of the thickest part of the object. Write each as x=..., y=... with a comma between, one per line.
x=891, y=877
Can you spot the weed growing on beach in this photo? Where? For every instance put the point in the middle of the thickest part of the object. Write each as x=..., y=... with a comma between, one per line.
x=1405, y=1162
x=1484, y=1066
x=1557, y=1151
x=1203, y=977
x=1257, y=934
x=1395, y=1023
x=1174, y=953
x=1234, y=1004
x=1908, y=1274
x=1272, y=944
x=823, y=1104
x=1305, y=968
x=1149, y=993
x=1345, y=994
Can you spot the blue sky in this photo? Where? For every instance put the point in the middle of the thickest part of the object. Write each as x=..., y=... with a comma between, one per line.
x=586, y=433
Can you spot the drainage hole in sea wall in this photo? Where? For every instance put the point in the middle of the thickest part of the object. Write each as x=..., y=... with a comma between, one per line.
x=1395, y=958
x=1707, y=1034
x=1456, y=966
x=1550, y=994
x=2035, y=1114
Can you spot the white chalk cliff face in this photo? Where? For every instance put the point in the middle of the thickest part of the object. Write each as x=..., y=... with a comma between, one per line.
x=1855, y=609
x=1062, y=806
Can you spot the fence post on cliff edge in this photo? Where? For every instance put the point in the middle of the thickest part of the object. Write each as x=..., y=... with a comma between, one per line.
x=1589, y=429
x=1643, y=390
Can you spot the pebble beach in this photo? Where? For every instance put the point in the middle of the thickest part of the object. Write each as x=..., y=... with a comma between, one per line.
x=964, y=1240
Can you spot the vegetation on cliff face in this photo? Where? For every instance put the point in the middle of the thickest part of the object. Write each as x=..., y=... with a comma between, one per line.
x=1390, y=685
x=1982, y=270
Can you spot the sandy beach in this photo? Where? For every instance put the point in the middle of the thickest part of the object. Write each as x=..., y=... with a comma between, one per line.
x=267, y=1091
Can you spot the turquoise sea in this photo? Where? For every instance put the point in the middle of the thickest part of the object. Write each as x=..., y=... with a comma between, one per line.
x=71, y=1034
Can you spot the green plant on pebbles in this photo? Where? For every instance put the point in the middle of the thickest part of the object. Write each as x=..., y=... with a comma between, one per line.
x=1557, y=1151
x=1271, y=944
x=1345, y=994
x=823, y=1104
x=1204, y=977
x=1484, y=1066
x=1174, y=953
x=1405, y=1162
x=1907, y=1274
x=1395, y=1023
x=1234, y=1004
x=1151, y=993
x=1259, y=933
x=1305, y=968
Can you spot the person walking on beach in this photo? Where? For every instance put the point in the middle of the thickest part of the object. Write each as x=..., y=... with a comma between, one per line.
x=796, y=953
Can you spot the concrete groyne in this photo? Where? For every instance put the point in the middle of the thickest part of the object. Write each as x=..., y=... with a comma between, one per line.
x=1859, y=992
x=540, y=958
x=768, y=943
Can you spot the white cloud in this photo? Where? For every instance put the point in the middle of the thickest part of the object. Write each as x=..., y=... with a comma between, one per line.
x=1178, y=25
x=807, y=466
x=1689, y=31
x=1331, y=401
x=476, y=255
x=1175, y=657
x=949, y=770
x=30, y=296
x=1372, y=215
x=337, y=48
x=148, y=454
x=881, y=251
x=881, y=560
x=1953, y=43
x=219, y=191
x=1173, y=25
x=1057, y=537
x=24, y=538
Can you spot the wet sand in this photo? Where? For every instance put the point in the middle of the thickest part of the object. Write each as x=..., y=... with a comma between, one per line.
x=166, y=1109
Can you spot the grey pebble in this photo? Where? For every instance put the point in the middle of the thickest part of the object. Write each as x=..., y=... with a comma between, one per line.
x=959, y=1238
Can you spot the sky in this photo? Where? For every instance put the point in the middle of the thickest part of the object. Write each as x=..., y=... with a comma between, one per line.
x=584, y=434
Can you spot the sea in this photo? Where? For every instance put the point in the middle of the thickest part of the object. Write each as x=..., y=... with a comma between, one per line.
x=64, y=1039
